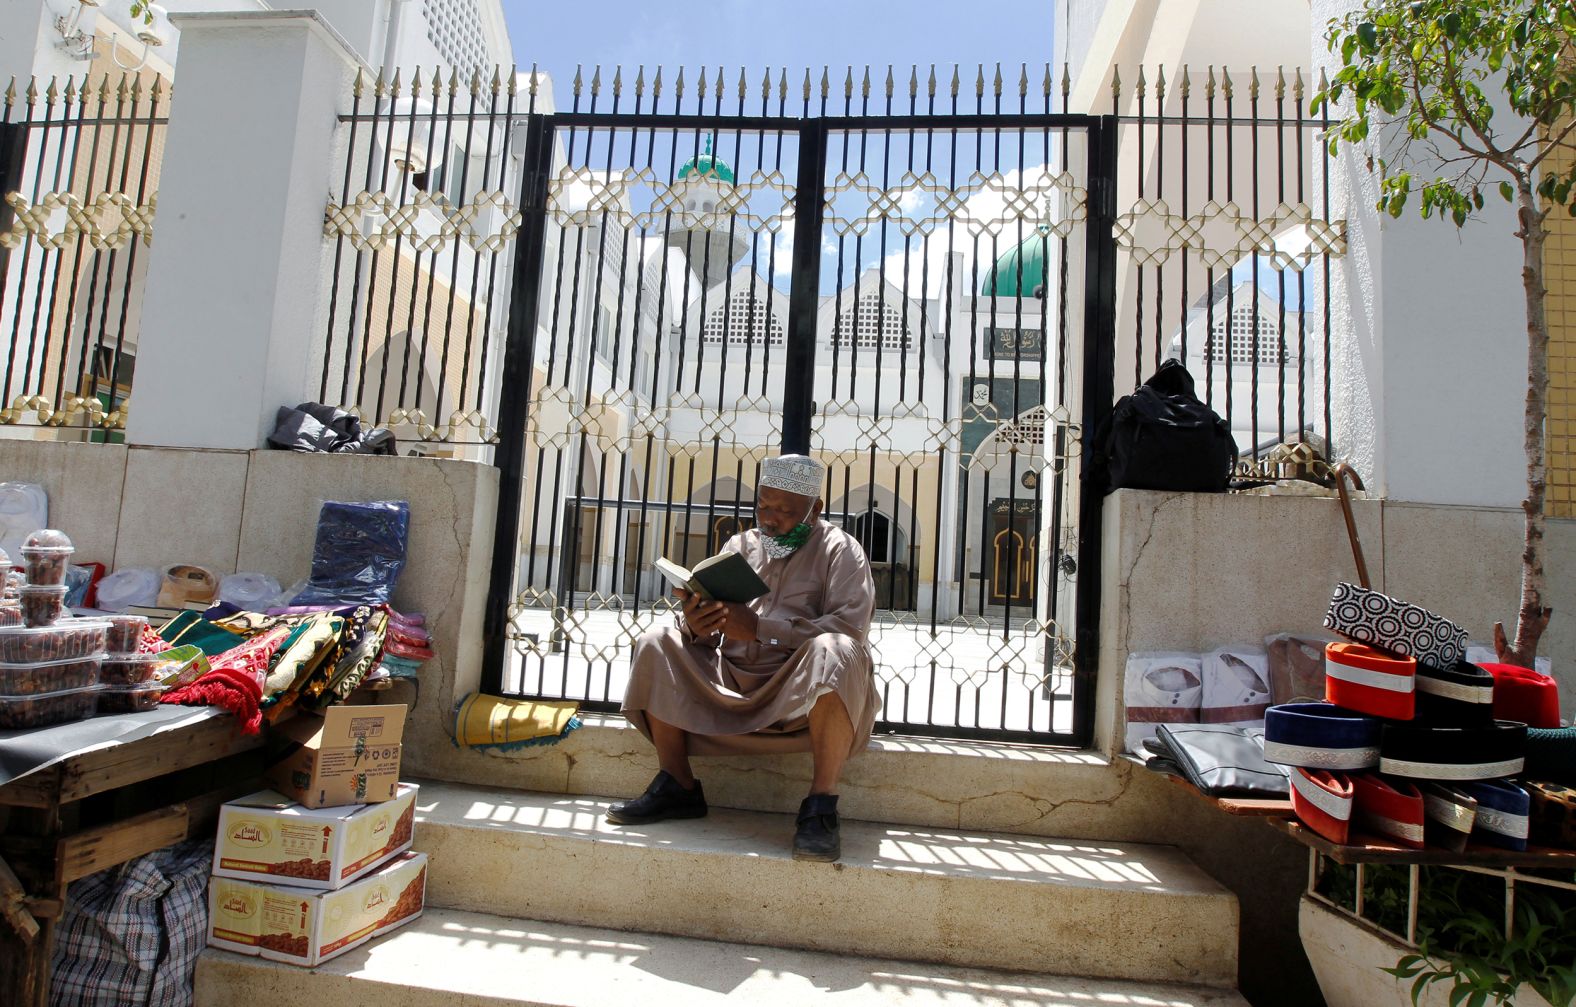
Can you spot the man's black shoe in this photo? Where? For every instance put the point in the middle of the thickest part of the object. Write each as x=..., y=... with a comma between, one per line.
x=663, y=799
x=817, y=835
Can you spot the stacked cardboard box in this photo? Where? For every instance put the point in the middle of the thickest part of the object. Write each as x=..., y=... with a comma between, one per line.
x=299, y=879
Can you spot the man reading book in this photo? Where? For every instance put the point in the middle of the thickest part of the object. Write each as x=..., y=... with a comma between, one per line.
x=787, y=672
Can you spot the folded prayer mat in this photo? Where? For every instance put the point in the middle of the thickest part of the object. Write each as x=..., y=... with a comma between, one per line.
x=507, y=724
x=1459, y=696
x=1323, y=801
x=1396, y=626
x=1320, y=736
x=1525, y=695
x=1392, y=809
x=1552, y=815
x=1449, y=814
x=1422, y=752
x=1502, y=810
x=1367, y=680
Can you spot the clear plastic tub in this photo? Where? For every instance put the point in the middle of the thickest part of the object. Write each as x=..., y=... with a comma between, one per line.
x=49, y=676
x=20, y=712
x=67, y=639
x=129, y=699
x=45, y=553
x=43, y=606
x=125, y=633
x=122, y=670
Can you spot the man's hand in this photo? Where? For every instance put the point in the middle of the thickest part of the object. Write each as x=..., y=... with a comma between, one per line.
x=705, y=618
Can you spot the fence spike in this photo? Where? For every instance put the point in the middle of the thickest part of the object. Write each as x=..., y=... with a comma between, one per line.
x=957, y=80
x=579, y=84
x=136, y=89
x=476, y=82
x=1116, y=84
x=31, y=94
x=930, y=83
x=848, y=84
x=1209, y=84
x=996, y=82
x=1023, y=80
x=356, y=89
x=415, y=83
x=394, y=84
x=1324, y=88
x=640, y=81
x=454, y=82
x=497, y=80
x=678, y=84
x=104, y=92
x=123, y=90
x=1225, y=82
x=618, y=81
x=864, y=87
x=1160, y=85
x=596, y=80
x=700, y=86
x=1297, y=85
x=52, y=93
x=913, y=82
x=1184, y=83
x=744, y=85
x=1141, y=87
x=720, y=87
x=71, y=89
x=979, y=80
x=1253, y=83
x=807, y=83
x=1067, y=84
x=889, y=80
x=1045, y=84
x=1280, y=83
x=656, y=84
x=378, y=86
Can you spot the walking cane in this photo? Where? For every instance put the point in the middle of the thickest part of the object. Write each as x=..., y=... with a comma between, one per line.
x=1344, y=473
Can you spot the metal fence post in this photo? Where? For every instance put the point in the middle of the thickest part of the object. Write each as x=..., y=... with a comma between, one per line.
x=514, y=402
x=13, y=156
x=804, y=299
x=1099, y=389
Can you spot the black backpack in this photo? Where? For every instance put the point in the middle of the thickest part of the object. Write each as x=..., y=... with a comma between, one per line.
x=1162, y=437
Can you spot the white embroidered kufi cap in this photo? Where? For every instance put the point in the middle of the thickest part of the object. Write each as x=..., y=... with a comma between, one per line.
x=799, y=474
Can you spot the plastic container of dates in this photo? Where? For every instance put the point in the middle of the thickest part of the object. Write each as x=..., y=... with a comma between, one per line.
x=65, y=640
x=44, y=708
x=129, y=698
x=43, y=606
x=125, y=633
x=49, y=676
x=125, y=670
x=45, y=554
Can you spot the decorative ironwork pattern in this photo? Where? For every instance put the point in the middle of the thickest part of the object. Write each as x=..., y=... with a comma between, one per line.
x=79, y=175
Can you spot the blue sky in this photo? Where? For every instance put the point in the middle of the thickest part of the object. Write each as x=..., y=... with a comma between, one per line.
x=760, y=34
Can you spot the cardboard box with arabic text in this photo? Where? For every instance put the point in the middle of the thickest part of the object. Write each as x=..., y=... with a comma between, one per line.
x=306, y=927
x=350, y=755
x=268, y=837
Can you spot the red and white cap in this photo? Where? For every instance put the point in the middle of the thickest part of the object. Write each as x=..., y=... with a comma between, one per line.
x=1392, y=809
x=1323, y=800
x=1370, y=681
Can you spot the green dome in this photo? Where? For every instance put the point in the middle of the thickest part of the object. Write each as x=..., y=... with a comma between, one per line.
x=1020, y=269
x=707, y=165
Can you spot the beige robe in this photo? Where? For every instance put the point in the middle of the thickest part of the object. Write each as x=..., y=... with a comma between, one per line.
x=735, y=697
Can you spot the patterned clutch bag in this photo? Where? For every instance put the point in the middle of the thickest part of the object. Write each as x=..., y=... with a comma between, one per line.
x=1397, y=626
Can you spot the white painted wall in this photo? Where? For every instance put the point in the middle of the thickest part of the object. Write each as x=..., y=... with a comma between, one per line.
x=1429, y=342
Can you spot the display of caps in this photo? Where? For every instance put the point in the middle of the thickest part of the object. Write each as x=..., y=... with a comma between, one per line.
x=1448, y=816
x=1425, y=752
x=1323, y=801
x=1370, y=681
x=1402, y=628
x=1552, y=814
x=1392, y=809
x=1525, y=695
x=1459, y=696
x=1502, y=810
x=1320, y=736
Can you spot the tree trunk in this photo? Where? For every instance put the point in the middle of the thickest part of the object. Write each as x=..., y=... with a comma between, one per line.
x=1533, y=616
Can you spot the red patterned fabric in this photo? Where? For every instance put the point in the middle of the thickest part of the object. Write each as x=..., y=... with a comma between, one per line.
x=152, y=643
x=236, y=681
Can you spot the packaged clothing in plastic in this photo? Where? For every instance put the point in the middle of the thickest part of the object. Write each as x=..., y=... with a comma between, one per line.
x=24, y=508
x=1161, y=688
x=358, y=554
x=1236, y=686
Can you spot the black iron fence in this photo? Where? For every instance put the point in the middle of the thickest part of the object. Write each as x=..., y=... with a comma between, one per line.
x=933, y=282
x=79, y=170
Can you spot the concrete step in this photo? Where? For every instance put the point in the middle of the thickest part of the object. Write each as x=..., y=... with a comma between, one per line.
x=975, y=899
x=1039, y=791
x=457, y=959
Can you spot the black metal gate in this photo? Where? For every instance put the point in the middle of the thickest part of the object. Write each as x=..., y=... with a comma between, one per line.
x=918, y=290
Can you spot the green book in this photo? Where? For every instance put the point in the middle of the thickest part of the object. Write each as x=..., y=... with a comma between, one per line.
x=726, y=576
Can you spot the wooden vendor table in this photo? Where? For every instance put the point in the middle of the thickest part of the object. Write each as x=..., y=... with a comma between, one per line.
x=100, y=807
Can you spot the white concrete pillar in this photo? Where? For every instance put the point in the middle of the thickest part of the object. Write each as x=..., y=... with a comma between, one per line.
x=238, y=273
x=1428, y=339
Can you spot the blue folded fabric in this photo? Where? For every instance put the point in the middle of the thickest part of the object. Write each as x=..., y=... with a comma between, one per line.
x=1320, y=736
x=1502, y=812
